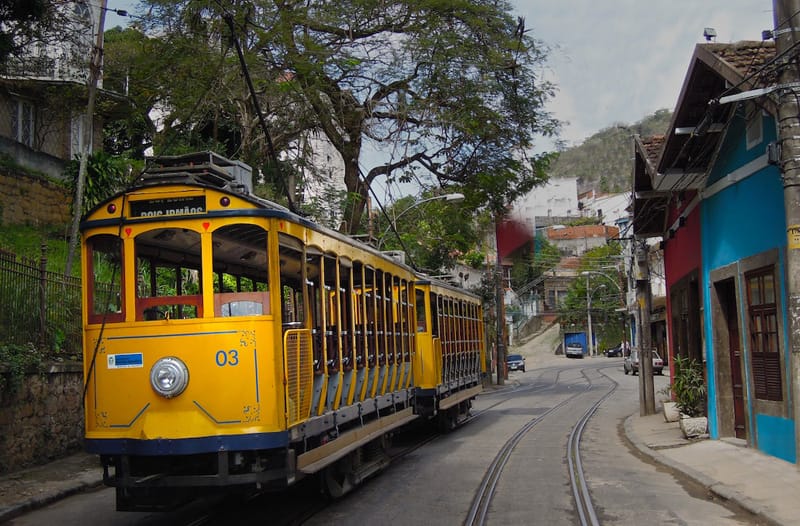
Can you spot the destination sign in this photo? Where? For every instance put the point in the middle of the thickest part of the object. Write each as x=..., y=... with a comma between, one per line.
x=172, y=206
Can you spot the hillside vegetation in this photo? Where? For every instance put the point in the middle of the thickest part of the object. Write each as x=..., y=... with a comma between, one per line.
x=603, y=161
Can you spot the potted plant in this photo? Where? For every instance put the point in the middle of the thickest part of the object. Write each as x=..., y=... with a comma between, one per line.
x=689, y=388
x=670, y=408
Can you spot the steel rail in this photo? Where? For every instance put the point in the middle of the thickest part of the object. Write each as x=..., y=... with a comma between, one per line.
x=483, y=499
x=580, y=489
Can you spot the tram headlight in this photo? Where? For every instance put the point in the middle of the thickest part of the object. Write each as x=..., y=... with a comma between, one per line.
x=169, y=377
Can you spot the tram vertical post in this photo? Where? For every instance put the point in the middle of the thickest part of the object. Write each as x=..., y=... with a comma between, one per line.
x=786, y=16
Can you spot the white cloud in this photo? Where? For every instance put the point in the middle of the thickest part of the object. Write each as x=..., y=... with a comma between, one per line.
x=620, y=60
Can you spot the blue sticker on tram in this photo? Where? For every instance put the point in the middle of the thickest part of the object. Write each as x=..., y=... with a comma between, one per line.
x=125, y=361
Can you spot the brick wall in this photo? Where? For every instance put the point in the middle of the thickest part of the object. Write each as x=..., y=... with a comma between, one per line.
x=29, y=200
x=42, y=419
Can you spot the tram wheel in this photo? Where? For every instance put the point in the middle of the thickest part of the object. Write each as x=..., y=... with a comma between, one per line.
x=337, y=479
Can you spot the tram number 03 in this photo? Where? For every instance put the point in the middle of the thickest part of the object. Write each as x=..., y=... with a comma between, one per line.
x=230, y=358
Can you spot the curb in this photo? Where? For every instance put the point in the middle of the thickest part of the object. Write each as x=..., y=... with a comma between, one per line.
x=715, y=487
x=72, y=487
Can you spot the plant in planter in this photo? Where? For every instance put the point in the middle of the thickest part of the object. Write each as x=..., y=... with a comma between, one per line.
x=670, y=408
x=689, y=388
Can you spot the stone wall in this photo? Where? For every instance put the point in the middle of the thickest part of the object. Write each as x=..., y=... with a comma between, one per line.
x=42, y=418
x=30, y=200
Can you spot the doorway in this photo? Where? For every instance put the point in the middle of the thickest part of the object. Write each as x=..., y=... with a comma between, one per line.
x=726, y=293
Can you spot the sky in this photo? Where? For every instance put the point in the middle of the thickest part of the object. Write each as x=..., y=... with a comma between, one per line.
x=616, y=60
x=621, y=60
x=613, y=61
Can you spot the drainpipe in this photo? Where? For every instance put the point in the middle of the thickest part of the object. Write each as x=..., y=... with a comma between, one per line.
x=787, y=34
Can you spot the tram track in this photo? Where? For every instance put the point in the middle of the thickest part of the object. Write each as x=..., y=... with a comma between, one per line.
x=483, y=499
x=580, y=490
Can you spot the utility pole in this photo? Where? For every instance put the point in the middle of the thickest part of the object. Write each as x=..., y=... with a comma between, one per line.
x=95, y=71
x=647, y=405
x=500, y=307
x=589, y=344
x=786, y=15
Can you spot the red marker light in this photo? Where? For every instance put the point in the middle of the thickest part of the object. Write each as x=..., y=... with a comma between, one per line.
x=111, y=208
x=225, y=201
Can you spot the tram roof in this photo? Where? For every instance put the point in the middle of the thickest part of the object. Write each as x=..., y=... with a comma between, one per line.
x=209, y=176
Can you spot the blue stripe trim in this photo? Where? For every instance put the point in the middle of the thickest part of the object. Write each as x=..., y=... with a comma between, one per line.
x=201, y=408
x=255, y=359
x=143, y=337
x=187, y=446
x=135, y=418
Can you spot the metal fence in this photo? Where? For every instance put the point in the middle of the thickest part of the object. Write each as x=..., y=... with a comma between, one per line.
x=39, y=306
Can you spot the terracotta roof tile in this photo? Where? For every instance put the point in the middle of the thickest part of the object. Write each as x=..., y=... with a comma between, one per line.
x=745, y=57
x=652, y=147
x=569, y=262
x=582, y=232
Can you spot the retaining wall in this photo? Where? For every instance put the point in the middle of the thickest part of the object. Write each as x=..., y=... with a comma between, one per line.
x=41, y=419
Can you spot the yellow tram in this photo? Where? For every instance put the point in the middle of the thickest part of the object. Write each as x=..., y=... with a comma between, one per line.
x=230, y=344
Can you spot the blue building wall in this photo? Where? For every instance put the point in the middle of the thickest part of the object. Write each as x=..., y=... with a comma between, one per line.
x=744, y=220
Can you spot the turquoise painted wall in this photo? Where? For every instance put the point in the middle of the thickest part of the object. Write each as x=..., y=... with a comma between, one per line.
x=740, y=221
x=776, y=437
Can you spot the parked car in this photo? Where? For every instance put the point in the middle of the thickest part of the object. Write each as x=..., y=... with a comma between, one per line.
x=574, y=350
x=515, y=362
x=614, y=351
x=631, y=363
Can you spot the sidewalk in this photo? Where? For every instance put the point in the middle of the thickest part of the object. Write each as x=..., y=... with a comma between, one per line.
x=36, y=487
x=764, y=485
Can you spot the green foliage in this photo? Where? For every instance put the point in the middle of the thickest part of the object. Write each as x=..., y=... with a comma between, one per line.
x=105, y=176
x=605, y=292
x=475, y=259
x=603, y=160
x=435, y=234
x=583, y=221
x=26, y=241
x=689, y=387
x=454, y=94
x=546, y=256
x=15, y=362
x=23, y=23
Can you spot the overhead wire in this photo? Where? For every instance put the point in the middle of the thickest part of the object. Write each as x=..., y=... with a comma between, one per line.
x=681, y=182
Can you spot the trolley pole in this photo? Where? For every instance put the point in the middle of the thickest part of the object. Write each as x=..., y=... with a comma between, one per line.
x=786, y=15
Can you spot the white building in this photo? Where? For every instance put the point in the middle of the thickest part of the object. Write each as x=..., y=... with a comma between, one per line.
x=557, y=198
x=609, y=208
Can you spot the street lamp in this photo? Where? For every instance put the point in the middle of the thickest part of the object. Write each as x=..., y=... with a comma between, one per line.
x=587, y=273
x=450, y=198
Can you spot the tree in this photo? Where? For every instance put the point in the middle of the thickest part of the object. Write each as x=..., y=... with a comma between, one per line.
x=22, y=23
x=435, y=234
x=444, y=90
x=605, y=290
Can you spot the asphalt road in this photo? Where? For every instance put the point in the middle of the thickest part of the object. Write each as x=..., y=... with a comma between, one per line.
x=436, y=483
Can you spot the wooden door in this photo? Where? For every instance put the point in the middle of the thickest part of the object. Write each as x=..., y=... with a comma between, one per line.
x=728, y=300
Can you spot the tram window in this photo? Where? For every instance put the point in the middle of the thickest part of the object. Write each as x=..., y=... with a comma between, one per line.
x=105, y=293
x=292, y=280
x=422, y=324
x=435, y=321
x=168, y=274
x=240, y=271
